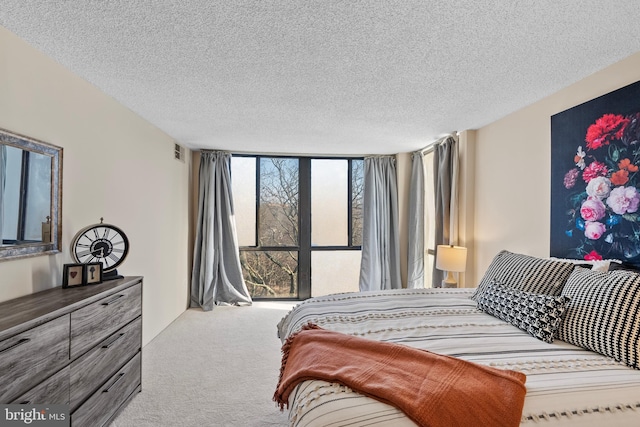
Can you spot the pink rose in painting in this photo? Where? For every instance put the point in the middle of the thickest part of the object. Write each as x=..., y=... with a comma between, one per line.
x=623, y=200
x=599, y=187
x=592, y=209
x=594, y=230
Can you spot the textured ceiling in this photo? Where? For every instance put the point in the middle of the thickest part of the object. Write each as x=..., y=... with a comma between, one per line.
x=326, y=76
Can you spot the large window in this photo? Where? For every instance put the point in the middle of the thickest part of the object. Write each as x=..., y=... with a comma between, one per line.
x=288, y=208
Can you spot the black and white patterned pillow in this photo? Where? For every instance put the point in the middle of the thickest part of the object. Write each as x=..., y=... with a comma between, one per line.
x=527, y=273
x=603, y=314
x=538, y=314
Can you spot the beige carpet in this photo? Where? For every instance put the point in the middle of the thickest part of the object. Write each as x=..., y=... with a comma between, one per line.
x=217, y=368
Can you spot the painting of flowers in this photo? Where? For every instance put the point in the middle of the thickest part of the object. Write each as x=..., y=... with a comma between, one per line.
x=595, y=179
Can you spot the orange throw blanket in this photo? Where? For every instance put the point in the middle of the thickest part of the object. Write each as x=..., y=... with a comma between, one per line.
x=431, y=389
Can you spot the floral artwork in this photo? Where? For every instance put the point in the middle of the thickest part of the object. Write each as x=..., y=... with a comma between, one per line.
x=595, y=194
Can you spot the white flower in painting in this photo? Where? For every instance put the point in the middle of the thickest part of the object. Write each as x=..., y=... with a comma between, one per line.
x=624, y=200
x=599, y=187
x=579, y=158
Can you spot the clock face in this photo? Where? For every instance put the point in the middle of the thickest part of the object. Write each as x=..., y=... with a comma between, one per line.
x=101, y=243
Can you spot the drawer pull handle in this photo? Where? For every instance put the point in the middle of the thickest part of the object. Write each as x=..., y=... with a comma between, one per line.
x=120, y=375
x=17, y=344
x=113, y=341
x=113, y=300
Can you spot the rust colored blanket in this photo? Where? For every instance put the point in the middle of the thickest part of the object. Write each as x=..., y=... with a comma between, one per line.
x=431, y=389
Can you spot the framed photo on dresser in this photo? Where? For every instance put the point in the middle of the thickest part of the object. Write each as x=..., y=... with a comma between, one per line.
x=81, y=274
x=93, y=273
x=73, y=275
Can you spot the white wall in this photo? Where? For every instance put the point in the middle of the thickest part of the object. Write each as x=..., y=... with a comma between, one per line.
x=115, y=165
x=513, y=169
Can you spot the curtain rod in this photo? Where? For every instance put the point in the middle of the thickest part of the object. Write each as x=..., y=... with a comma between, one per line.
x=432, y=145
x=380, y=156
x=213, y=150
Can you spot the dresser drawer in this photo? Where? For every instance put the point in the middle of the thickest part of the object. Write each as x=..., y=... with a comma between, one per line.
x=91, y=370
x=106, y=401
x=93, y=323
x=28, y=358
x=52, y=391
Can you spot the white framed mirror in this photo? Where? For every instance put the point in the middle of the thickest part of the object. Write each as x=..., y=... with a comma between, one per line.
x=30, y=196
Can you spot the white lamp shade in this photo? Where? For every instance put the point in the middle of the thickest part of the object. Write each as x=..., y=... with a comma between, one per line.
x=451, y=258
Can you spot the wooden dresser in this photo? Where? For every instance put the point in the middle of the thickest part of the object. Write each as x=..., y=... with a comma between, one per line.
x=77, y=346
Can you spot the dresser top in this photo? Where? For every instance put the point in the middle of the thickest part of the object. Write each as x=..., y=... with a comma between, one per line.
x=18, y=315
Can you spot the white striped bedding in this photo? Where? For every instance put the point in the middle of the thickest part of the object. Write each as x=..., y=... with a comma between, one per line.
x=566, y=385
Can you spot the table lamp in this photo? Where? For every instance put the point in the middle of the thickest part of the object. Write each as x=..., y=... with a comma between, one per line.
x=451, y=259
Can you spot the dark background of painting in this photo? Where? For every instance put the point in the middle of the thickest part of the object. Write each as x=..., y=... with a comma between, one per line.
x=568, y=130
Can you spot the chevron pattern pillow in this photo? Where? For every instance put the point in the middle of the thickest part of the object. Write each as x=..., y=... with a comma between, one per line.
x=603, y=314
x=527, y=273
x=538, y=314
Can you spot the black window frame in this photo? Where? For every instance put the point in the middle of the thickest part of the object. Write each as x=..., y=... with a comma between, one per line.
x=304, y=247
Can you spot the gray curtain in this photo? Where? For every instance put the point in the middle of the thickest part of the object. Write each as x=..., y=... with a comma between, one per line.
x=415, y=254
x=217, y=275
x=380, y=264
x=3, y=179
x=445, y=171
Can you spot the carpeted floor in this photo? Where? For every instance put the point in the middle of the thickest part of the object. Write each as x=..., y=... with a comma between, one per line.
x=217, y=368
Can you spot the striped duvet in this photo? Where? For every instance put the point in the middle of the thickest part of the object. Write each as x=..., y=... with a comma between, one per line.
x=566, y=385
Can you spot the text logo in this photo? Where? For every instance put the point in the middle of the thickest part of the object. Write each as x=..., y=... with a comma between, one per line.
x=34, y=415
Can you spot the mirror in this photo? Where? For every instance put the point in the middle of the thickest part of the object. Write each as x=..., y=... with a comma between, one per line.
x=30, y=197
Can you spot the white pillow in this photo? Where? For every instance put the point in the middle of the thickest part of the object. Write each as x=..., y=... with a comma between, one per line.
x=596, y=265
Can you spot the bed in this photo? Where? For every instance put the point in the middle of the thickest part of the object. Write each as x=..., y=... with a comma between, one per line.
x=567, y=384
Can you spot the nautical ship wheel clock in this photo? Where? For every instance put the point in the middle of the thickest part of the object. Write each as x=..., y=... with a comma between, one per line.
x=104, y=243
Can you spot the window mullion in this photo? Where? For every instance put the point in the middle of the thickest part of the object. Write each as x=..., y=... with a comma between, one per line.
x=350, y=203
x=304, y=218
x=257, y=241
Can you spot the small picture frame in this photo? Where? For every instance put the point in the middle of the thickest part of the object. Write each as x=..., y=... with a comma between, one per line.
x=92, y=273
x=73, y=275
